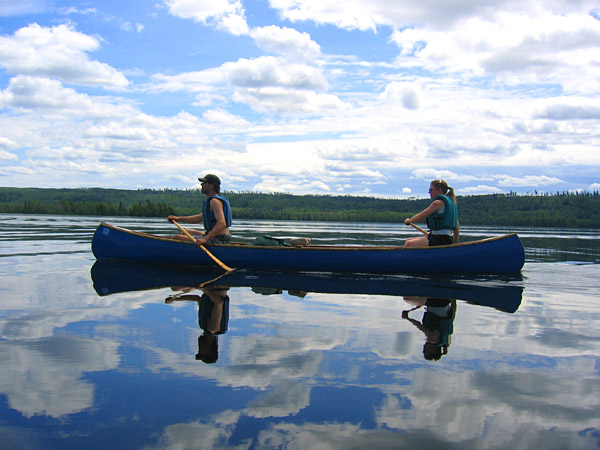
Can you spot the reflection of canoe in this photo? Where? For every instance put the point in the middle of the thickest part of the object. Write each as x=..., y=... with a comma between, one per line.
x=495, y=255
x=110, y=277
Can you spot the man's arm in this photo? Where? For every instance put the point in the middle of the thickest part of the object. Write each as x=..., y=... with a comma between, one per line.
x=216, y=206
x=196, y=218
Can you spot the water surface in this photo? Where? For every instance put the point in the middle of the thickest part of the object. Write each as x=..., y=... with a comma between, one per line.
x=98, y=356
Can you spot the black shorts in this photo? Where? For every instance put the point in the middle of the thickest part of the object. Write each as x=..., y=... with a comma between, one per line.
x=220, y=239
x=439, y=239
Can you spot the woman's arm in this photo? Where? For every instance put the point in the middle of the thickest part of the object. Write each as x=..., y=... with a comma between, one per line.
x=435, y=206
x=456, y=233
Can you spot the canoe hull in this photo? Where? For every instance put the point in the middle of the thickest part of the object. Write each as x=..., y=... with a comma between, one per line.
x=497, y=255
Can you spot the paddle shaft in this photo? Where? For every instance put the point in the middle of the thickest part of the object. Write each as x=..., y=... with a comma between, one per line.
x=419, y=228
x=214, y=258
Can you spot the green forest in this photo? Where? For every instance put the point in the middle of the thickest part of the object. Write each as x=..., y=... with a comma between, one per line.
x=579, y=210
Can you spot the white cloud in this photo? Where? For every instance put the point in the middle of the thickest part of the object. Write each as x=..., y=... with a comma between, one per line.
x=85, y=11
x=283, y=100
x=45, y=95
x=8, y=144
x=528, y=180
x=432, y=174
x=513, y=48
x=352, y=14
x=594, y=187
x=224, y=117
x=58, y=52
x=285, y=42
x=8, y=8
x=480, y=189
x=128, y=26
x=268, y=71
x=406, y=93
x=512, y=42
x=201, y=81
x=267, y=84
x=8, y=156
x=228, y=15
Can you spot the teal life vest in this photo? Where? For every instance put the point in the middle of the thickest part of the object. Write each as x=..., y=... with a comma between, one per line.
x=446, y=221
x=209, y=218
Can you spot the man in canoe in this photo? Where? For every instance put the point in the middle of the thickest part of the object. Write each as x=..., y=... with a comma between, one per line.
x=441, y=215
x=216, y=215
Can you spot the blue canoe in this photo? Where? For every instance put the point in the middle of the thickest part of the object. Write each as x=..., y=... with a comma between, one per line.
x=504, y=254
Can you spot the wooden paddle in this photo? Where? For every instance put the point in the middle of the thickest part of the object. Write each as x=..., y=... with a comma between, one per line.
x=419, y=228
x=215, y=259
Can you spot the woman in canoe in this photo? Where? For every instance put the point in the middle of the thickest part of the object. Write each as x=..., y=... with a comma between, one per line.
x=441, y=216
x=216, y=215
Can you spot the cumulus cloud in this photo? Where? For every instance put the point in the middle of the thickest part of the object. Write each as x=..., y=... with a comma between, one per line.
x=7, y=155
x=43, y=94
x=480, y=189
x=514, y=42
x=528, y=180
x=7, y=144
x=432, y=174
x=572, y=112
x=200, y=81
x=224, y=117
x=514, y=48
x=228, y=15
x=285, y=42
x=267, y=84
x=59, y=52
x=403, y=92
x=364, y=16
x=355, y=153
x=267, y=71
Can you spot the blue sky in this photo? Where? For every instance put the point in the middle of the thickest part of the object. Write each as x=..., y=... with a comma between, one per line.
x=345, y=98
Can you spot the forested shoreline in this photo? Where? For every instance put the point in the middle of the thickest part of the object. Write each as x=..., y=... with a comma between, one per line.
x=578, y=210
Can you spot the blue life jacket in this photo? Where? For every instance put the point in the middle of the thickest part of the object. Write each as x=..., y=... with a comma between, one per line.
x=209, y=218
x=446, y=221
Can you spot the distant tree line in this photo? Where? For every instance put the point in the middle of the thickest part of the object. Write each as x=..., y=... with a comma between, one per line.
x=579, y=210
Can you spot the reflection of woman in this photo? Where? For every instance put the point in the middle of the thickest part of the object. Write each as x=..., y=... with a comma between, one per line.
x=441, y=215
x=213, y=319
x=437, y=325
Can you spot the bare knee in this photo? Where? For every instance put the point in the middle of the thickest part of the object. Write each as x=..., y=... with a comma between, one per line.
x=416, y=242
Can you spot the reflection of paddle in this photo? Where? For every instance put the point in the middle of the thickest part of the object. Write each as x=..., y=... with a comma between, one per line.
x=215, y=259
x=419, y=228
x=185, y=290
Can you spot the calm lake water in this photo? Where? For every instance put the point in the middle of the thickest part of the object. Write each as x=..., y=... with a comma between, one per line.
x=116, y=356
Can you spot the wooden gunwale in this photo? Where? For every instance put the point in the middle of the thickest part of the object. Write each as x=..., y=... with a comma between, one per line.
x=313, y=247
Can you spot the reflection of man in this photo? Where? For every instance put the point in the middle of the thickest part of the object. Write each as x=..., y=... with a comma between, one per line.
x=437, y=324
x=213, y=319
